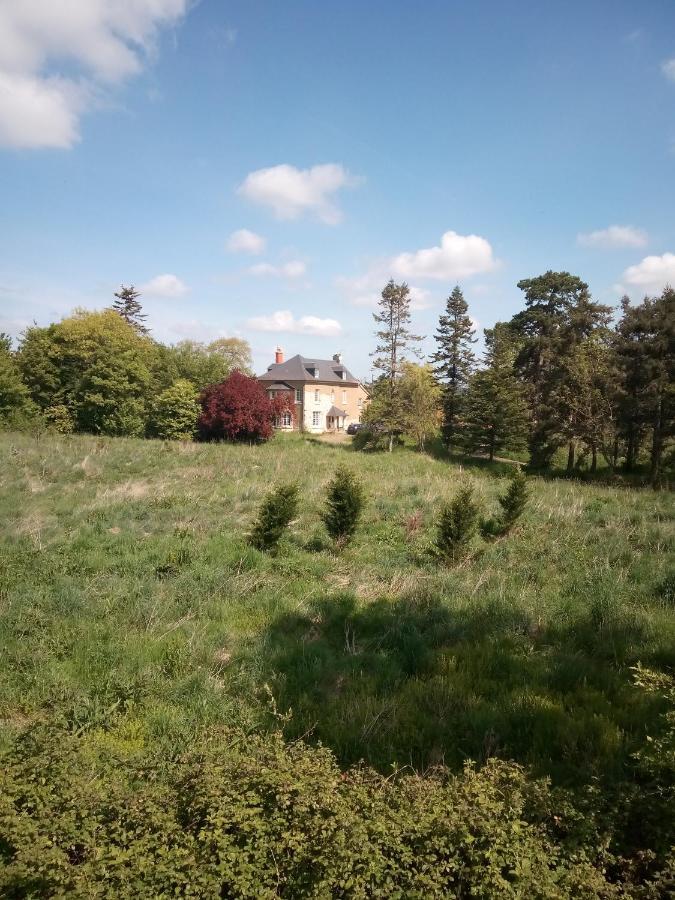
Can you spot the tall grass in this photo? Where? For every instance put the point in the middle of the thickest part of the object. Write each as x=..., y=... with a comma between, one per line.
x=129, y=598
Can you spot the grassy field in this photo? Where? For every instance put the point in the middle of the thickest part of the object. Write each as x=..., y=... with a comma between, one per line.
x=131, y=602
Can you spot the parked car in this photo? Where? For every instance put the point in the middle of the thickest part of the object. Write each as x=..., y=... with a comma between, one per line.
x=353, y=427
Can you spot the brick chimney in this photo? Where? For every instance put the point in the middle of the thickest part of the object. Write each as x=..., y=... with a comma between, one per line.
x=279, y=356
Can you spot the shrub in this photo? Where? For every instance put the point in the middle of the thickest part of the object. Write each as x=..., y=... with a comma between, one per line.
x=344, y=505
x=513, y=504
x=278, y=509
x=174, y=413
x=238, y=409
x=456, y=526
x=249, y=816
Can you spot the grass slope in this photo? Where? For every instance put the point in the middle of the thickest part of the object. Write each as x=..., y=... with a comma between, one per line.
x=130, y=601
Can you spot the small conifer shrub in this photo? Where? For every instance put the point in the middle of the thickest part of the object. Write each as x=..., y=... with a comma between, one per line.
x=344, y=505
x=513, y=504
x=276, y=512
x=456, y=526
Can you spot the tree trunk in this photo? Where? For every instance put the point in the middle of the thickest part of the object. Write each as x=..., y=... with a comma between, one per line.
x=570, y=457
x=391, y=441
x=630, y=449
x=657, y=445
x=594, y=458
x=615, y=455
x=492, y=447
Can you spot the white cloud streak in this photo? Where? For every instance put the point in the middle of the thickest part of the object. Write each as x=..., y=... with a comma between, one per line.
x=293, y=269
x=165, y=286
x=457, y=256
x=668, y=69
x=245, y=241
x=283, y=321
x=614, y=238
x=652, y=274
x=291, y=193
x=99, y=43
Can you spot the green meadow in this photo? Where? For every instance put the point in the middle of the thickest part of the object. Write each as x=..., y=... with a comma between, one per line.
x=133, y=609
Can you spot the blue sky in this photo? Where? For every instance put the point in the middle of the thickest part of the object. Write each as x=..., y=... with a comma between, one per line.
x=262, y=168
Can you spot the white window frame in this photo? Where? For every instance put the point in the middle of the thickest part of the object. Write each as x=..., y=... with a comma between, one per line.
x=344, y=396
x=317, y=396
x=298, y=395
x=316, y=418
x=286, y=420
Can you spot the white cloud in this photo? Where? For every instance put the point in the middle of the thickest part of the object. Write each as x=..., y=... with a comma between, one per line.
x=293, y=269
x=284, y=321
x=291, y=192
x=458, y=256
x=245, y=241
x=668, y=68
x=652, y=274
x=614, y=237
x=165, y=286
x=96, y=42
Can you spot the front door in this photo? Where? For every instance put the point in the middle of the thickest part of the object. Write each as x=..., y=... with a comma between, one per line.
x=330, y=423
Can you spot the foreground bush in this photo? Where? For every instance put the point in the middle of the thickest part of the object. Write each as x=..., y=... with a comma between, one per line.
x=344, y=505
x=173, y=415
x=249, y=816
x=277, y=510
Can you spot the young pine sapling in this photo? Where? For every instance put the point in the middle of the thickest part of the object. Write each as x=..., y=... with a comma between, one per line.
x=344, y=504
x=456, y=526
x=276, y=512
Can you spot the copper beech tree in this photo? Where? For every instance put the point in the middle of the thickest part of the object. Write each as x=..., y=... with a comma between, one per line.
x=238, y=409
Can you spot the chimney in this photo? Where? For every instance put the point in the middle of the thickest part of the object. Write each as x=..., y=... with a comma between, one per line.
x=279, y=356
x=337, y=357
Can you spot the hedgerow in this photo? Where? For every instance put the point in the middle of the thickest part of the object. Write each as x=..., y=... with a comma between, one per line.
x=250, y=816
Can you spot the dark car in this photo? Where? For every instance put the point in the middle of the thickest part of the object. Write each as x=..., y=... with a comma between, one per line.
x=354, y=427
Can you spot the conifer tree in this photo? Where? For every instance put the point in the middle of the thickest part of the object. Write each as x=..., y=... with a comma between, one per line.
x=454, y=359
x=128, y=306
x=495, y=409
x=394, y=340
x=456, y=526
x=276, y=512
x=513, y=504
x=344, y=504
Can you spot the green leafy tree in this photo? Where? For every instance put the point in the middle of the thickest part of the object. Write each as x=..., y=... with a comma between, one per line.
x=95, y=365
x=457, y=525
x=344, y=505
x=419, y=397
x=128, y=306
x=201, y=364
x=277, y=511
x=496, y=415
x=174, y=414
x=15, y=400
x=394, y=340
x=454, y=359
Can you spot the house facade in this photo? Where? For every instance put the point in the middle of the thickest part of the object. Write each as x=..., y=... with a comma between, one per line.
x=327, y=396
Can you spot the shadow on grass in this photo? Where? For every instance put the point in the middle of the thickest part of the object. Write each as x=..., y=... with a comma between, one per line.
x=413, y=682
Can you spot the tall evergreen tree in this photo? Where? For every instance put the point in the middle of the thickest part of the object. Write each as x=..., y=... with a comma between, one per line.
x=495, y=408
x=394, y=340
x=559, y=314
x=129, y=307
x=646, y=352
x=454, y=359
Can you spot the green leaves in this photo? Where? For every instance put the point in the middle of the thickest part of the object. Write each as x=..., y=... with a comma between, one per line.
x=278, y=509
x=343, y=505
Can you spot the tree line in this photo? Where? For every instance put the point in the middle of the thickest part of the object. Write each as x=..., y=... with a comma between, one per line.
x=102, y=372
x=560, y=377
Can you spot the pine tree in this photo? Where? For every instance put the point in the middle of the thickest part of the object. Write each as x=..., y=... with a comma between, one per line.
x=495, y=409
x=128, y=306
x=344, y=504
x=277, y=511
x=454, y=359
x=559, y=314
x=513, y=504
x=456, y=526
x=394, y=340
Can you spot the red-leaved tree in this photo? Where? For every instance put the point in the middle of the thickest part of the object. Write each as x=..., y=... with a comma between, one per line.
x=238, y=409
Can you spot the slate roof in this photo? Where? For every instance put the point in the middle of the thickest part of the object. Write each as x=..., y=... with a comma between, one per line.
x=279, y=386
x=335, y=412
x=297, y=369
